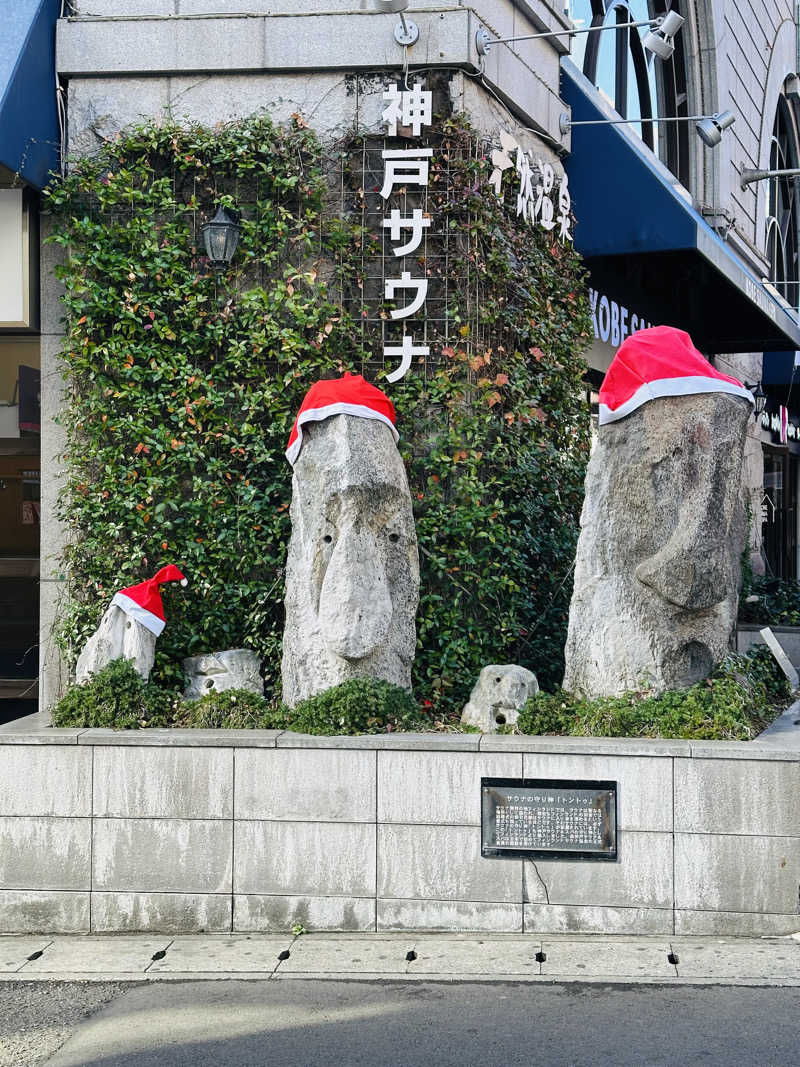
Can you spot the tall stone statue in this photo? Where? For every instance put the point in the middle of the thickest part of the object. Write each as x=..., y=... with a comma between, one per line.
x=352, y=574
x=663, y=525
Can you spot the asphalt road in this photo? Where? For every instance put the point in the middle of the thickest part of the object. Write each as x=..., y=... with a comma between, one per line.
x=304, y=1023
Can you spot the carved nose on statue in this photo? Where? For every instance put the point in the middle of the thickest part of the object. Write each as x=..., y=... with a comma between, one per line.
x=355, y=609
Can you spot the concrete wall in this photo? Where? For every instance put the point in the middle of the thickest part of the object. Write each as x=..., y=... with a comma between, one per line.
x=256, y=830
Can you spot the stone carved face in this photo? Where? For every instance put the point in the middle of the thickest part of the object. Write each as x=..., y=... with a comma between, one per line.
x=656, y=576
x=352, y=580
x=236, y=668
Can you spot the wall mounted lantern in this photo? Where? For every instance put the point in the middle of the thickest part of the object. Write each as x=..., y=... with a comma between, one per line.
x=760, y=398
x=221, y=238
x=709, y=127
x=660, y=40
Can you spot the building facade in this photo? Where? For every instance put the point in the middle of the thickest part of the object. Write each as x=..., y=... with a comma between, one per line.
x=670, y=231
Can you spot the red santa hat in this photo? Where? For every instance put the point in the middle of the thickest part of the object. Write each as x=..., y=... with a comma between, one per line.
x=348, y=395
x=659, y=361
x=143, y=601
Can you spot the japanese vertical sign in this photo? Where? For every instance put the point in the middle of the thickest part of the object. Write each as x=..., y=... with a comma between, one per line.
x=410, y=108
x=537, y=200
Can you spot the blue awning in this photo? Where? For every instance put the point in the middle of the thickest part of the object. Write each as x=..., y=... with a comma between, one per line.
x=643, y=241
x=29, y=138
x=781, y=368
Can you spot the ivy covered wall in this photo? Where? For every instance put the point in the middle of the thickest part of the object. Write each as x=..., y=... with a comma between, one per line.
x=182, y=389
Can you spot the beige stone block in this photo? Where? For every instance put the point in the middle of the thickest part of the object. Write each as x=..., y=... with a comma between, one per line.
x=644, y=784
x=28, y=911
x=585, y=919
x=259, y=912
x=168, y=913
x=715, y=872
x=437, y=787
x=327, y=101
x=640, y=878
x=45, y=780
x=162, y=855
x=715, y=796
x=302, y=858
x=172, y=783
x=735, y=923
x=44, y=853
x=443, y=863
x=449, y=915
x=305, y=785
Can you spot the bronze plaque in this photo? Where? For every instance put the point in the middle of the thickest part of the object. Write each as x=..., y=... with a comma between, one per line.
x=548, y=818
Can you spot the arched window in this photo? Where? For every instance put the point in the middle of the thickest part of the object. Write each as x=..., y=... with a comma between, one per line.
x=782, y=207
x=636, y=83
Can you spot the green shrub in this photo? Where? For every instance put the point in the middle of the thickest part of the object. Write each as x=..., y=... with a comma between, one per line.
x=118, y=697
x=734, y=704
x=232, y=709
x=360, y=706
x=778, y=602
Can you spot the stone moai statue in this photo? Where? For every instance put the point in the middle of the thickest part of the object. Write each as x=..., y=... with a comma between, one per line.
x=129, y=628
x=352, y=573
x=663, y=525
x=235, y=668
x=501, y=690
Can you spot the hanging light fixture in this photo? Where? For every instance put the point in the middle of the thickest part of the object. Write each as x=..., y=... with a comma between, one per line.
x=221, y=238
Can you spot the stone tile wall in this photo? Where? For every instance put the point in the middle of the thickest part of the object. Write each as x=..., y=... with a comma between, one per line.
x=181, y=831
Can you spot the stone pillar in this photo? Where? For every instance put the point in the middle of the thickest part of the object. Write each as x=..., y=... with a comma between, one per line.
x=52, y=669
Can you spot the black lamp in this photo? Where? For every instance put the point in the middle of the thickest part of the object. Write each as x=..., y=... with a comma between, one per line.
x=221, y=237
x=759, y=396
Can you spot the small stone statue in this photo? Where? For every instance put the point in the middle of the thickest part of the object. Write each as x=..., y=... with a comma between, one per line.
x=352, y=573
x=499, y=694
x=237, y=668
x=663, y=524
x=129, y=628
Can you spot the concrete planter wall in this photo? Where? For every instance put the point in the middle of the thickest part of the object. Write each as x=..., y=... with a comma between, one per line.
x=255, y=830
x=747, y=635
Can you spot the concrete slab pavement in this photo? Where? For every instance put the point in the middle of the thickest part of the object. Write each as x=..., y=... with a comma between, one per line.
x=405, y=957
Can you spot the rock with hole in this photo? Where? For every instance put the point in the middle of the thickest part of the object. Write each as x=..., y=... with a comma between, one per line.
x=498, y=695
x=236, y=668
x=119, y=636
x=352, y=573
x=659, y=555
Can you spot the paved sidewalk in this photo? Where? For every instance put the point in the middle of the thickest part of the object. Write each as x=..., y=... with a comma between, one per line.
x=406, y=957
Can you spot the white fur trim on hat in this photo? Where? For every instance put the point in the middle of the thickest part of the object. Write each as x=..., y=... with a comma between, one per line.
x=361, y=411
x=150, y=621
x=686, y=386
